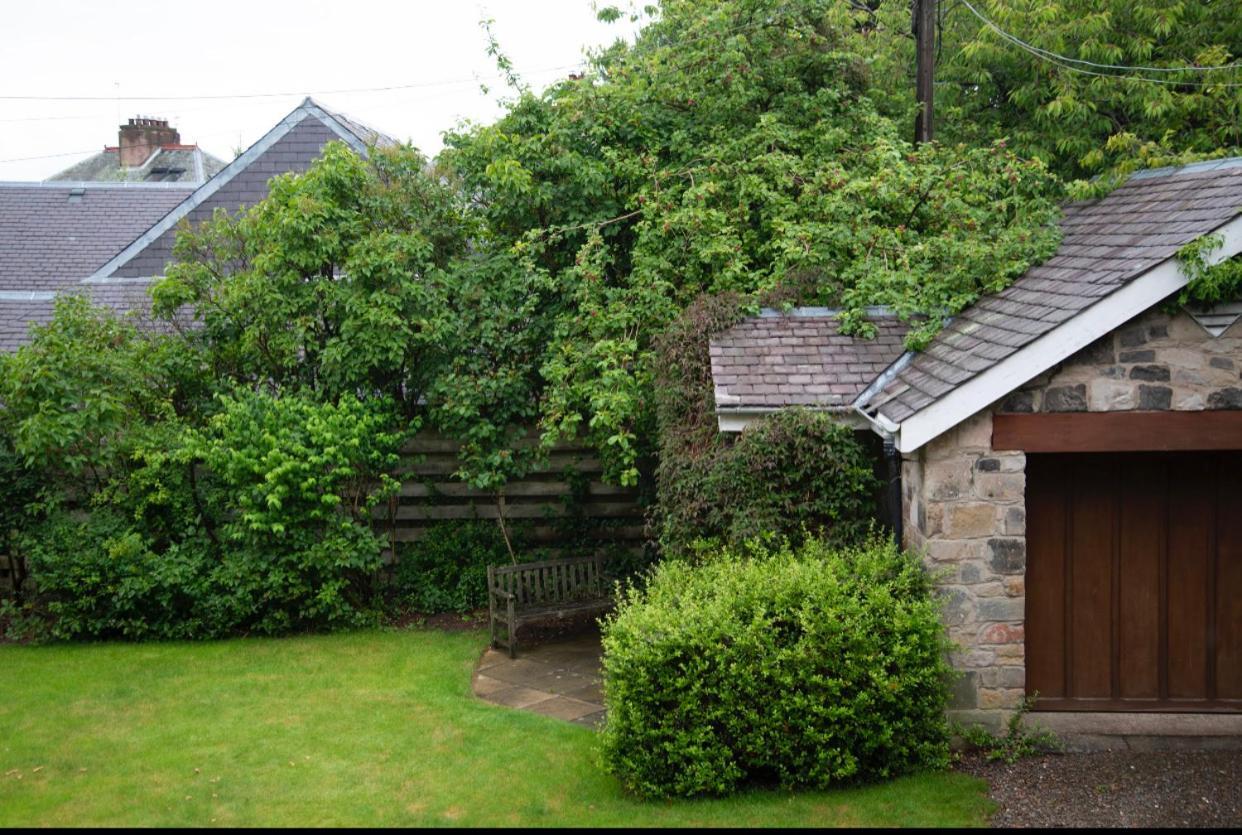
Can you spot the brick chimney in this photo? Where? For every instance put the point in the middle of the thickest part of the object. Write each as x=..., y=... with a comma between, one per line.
x=142, y=137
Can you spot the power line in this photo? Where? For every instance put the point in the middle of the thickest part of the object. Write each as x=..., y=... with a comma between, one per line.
x=285, y=94
x=1066, y=62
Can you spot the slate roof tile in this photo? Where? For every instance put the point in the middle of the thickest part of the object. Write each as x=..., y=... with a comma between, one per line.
x=799, y=359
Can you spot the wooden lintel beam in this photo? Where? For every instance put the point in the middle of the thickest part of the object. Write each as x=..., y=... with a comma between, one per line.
x=1118, y=431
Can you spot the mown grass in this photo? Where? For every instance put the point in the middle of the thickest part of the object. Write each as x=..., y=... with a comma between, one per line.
x=364, y=729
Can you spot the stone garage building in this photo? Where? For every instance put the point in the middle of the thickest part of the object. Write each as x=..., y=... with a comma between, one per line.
x=1070, y=463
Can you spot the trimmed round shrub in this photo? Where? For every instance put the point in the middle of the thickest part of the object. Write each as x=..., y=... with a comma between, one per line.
x=802, y=668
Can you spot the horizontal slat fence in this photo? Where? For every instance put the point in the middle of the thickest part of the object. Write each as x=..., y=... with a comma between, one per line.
x=542, y=504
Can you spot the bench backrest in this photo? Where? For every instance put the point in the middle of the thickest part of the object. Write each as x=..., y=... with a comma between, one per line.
x=552, y=581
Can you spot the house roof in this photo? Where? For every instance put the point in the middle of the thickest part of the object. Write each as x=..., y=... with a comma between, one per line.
x=109, y=239
x=171, y=163
x=800, y=358
x=52, y=235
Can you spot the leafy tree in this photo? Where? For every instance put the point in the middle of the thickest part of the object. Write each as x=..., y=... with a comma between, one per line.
x=1107, y=86
x=732, y=147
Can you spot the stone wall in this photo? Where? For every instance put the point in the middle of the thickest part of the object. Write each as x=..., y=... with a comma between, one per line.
x=1156, y=362
x=965, y=504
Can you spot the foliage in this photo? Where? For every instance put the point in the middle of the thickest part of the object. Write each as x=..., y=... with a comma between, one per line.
x=157, y=513
x=295, y=481
x=794, y=472
x=807, y=668
x=1084, y=116
x=731, y=148
x=1018, y=741
x=446, y=570
x=1209, y=283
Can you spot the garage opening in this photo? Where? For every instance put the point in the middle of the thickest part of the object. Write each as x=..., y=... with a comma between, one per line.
x=1134, y=581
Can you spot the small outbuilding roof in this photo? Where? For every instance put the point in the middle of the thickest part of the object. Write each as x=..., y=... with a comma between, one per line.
x=800, y=358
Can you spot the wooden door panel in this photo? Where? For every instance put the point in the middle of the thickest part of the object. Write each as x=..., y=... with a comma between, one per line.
x=1141, y=529
x=1092, y=523
x=1191, y=519
x=1229, y=581
x=1134, y=581
x=1046, y=501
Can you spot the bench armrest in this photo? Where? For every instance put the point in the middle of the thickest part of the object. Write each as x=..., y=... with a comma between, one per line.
x=501, y=594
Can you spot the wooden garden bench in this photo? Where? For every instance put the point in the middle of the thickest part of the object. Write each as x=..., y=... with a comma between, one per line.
x=551, y=590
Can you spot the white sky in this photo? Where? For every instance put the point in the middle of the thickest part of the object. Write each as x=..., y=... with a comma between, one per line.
x=304, y=47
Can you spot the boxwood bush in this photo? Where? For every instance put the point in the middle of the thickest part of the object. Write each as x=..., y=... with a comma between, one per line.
x=772, y=665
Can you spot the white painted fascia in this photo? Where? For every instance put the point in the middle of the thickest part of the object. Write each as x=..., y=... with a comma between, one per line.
x=735, y=420
x=1101, y=318
x=307, y=109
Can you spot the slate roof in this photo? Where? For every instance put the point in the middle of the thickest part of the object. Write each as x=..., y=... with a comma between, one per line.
x=800, y=359
x=180, y=164
x=17, y=314
x=107, y=239
x=54, y=235
x=1106, y=243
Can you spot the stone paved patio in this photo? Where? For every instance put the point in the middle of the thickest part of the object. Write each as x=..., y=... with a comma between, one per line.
x=560, y=679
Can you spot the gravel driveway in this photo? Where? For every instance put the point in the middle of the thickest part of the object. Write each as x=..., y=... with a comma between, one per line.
x=1116, y=788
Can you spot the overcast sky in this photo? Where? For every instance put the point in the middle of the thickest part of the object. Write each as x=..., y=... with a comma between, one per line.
x=89, y=48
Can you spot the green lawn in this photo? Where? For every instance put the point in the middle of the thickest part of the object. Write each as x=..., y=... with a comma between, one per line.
x=375, y=728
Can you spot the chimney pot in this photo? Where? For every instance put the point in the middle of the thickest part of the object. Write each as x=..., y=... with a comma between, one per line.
x=142, y=137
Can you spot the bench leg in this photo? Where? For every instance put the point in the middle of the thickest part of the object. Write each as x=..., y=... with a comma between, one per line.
x=512, y=631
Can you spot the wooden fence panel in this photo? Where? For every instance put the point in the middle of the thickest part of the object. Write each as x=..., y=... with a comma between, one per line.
x=542, y=503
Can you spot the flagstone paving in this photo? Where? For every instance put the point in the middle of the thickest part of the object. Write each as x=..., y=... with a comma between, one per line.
x=560, y=679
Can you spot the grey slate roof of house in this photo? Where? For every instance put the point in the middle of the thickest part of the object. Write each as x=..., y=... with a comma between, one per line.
x=1106, y=243
x=105, y=239
x=54, y=235
x=183, y=164
x=799, y=358
x=17, y=314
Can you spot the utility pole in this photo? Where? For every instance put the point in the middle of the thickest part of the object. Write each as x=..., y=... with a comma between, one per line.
x=925, y=63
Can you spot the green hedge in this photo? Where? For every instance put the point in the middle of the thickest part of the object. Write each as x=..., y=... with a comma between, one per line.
x=802, y=668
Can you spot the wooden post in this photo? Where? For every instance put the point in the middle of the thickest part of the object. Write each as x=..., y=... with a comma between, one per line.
x=925, y=64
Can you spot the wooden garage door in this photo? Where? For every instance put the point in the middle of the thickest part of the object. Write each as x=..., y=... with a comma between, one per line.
x=1134, y=581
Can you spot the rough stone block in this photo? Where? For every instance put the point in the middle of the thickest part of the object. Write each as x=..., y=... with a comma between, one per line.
x=999, y=699
x=957, y=607
x=1007, y=556
x=1100, y=352
x=1191, y=357
x=965, y=695
x=1020, y=402
x=941, y=551
x=1132, y=336
x=970, y=520
x=1002, y=633
x=989, y=589
x=948, y=478
x=1003, y=677
x=1015, y=586
x=1137, y=356
x=1015, y=521
x=1150, y=373
x=1066, y=399
x=1155, y=398
x=1001, y=609
x=1221, y=362
x=1000, y=486
x=1108, y=396
x=1188, y=401
x=1227, y=398
x=975, y=432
